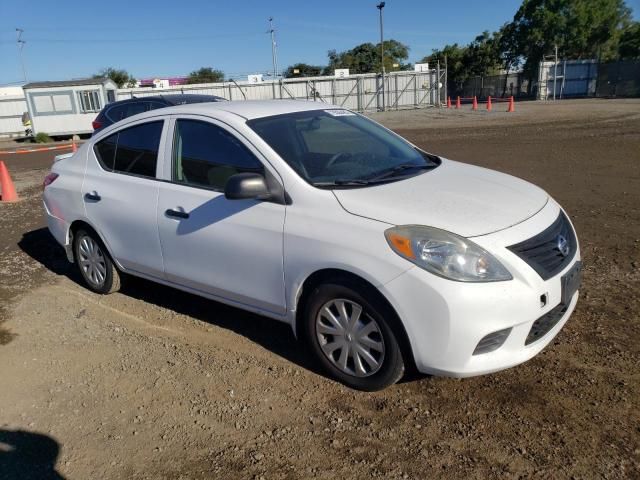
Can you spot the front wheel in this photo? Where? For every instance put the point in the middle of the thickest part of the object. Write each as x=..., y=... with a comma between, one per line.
x=95, y=266
x=350, y=335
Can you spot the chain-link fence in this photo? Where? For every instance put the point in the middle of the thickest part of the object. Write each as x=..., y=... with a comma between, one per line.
x=619, y=79
x=514, y=84
x=565, y=79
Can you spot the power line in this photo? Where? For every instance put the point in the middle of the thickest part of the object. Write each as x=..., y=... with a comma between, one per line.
x=134, y=39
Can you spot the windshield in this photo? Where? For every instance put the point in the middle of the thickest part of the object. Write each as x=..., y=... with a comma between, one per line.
x=330, y=148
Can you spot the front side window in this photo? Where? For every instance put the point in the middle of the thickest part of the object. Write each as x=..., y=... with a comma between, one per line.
x=338, y=147
x=132, y=151
x=89, y=101
x=206, y=155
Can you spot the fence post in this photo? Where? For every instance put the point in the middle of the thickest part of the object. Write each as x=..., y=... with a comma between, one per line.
x=359, y=94
x=333, y=91
x=438, y=82
x=396, y=87
x=446, y=78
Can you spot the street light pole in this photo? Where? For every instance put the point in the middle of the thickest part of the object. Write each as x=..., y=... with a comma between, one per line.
x=21, y=43
x=380, y=6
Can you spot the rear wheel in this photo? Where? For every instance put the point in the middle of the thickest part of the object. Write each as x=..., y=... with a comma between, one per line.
x=350, y=333
x=95, y=266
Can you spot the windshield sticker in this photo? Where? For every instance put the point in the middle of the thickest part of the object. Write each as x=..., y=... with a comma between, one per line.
x=340, y=113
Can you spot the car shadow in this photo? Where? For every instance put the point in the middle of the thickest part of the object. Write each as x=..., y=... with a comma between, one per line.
x=272, y=335
x=25, y=455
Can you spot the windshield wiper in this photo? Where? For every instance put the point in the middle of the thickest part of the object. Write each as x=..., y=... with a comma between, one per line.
x=383, y=176
x=391, y=172
x=343, y=182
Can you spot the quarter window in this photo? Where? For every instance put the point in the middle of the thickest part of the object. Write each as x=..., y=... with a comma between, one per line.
x=206, y=155
x=89, y=101
x=132, y=151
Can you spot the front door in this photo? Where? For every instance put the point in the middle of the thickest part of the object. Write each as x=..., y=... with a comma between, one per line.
x=231, y=249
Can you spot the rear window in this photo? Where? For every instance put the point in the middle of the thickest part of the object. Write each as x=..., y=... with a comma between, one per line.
x=132, y=151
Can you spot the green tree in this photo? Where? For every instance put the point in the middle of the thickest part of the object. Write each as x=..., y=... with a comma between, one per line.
x=304, y=70
x=455, y=58
x=629, y=47
x=205, y=75
x=482, y=55
x=365, y=58
x=120, y=77
x=580, y=29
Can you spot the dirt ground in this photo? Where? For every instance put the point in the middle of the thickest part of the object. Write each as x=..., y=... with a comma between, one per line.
x=152, y=383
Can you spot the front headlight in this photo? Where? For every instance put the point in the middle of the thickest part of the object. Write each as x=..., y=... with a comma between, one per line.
x=445, y=254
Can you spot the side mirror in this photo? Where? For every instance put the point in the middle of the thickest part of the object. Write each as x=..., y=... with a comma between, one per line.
x=246, y=185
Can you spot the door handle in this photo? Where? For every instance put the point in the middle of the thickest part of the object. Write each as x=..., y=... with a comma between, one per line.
x=94, y=197
x=176, y=213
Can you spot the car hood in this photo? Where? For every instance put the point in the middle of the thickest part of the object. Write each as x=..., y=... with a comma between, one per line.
x=456, y=197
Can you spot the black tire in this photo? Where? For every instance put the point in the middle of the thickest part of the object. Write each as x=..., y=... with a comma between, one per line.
x=391, y=363
x=108, y=280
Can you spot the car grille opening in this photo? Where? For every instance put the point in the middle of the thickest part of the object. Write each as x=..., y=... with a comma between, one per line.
x=545, y=323
x=492, y=342
x=551, y=250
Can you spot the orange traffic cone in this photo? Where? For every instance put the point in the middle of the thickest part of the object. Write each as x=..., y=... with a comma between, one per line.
x=458, y=102
x=489, y=106
x=6, y=184
x=448, y=102
x=475, y=103
x=74, y=147
x=511, y=105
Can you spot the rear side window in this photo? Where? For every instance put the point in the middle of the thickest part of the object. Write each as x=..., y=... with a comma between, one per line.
x=133, y=151
x=206, y=155
x=115, y=114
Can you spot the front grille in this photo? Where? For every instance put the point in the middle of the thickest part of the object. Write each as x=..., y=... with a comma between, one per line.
x=544, y=252
x=545, y=323
x=492, y=342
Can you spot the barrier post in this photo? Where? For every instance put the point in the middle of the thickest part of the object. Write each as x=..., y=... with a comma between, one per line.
x=475, y=103
x=448, y=102
x=458, y=102
x=489, y=106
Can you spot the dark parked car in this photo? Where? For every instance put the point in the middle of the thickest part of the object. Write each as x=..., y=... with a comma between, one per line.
x=116, y=111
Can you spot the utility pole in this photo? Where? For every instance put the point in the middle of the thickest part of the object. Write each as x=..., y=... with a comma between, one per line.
x=274, y=49
x=20, y=42
x=555, y=73
x=380, y=6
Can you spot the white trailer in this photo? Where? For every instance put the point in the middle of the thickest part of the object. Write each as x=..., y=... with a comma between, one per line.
x=67, y=107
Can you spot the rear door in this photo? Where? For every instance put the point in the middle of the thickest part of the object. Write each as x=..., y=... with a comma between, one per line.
x=120, y=192
x=227, y=248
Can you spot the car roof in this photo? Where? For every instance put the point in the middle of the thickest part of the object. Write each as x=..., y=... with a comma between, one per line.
x=250, y=109
x=173, y=99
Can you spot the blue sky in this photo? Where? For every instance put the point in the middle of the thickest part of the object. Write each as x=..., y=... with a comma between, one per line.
x=73, y=38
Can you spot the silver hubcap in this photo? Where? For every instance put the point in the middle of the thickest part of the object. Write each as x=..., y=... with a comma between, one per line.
x=350, y=338
x=92, y=262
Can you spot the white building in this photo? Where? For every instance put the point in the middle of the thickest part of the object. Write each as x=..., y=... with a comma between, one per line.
x=12, y=106
x=67, y=107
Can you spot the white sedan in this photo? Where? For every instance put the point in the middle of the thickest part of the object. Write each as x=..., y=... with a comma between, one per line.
x=378, y=254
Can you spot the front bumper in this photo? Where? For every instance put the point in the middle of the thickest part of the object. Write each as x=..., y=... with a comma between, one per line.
x=446, y=320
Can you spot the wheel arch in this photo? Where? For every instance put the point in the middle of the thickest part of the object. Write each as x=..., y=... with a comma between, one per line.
x=337, y=275
x=78, y=224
